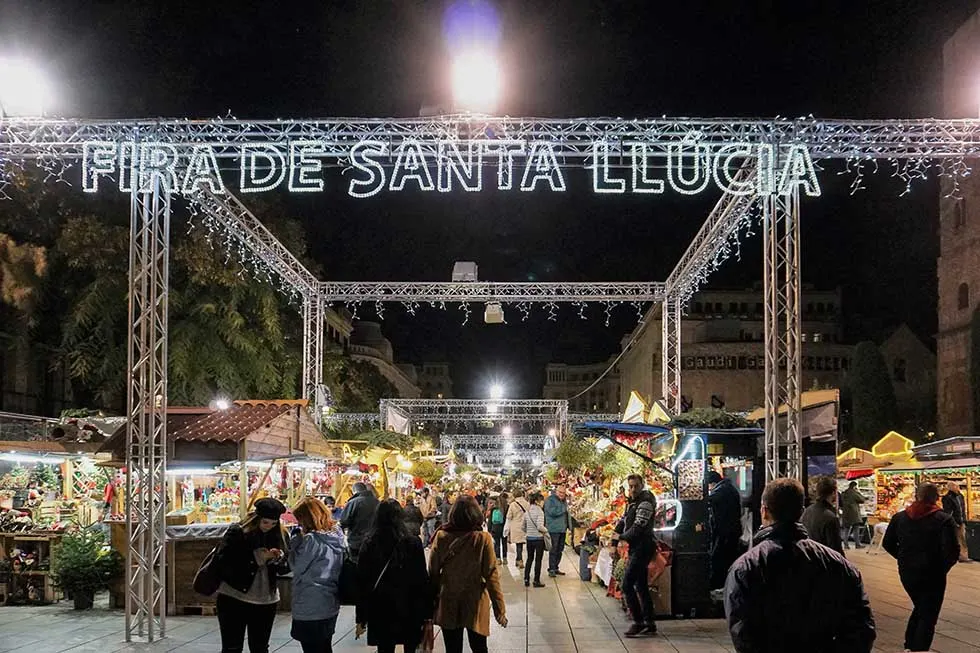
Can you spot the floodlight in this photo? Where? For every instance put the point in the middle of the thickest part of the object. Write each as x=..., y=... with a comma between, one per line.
x=496, y=391
x=507, y=430
x=476, y=81
x=24, y=89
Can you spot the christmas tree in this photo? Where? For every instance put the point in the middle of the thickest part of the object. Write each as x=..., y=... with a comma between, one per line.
x=43, y=476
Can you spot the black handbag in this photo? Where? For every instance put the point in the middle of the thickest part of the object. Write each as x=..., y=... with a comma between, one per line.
x=206, y=579
x=347, y=586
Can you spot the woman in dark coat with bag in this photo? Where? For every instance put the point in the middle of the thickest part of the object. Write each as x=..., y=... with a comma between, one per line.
x=395, y=600
x=251, y=557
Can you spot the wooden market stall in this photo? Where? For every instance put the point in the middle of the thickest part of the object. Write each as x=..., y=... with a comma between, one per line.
x=219, y=463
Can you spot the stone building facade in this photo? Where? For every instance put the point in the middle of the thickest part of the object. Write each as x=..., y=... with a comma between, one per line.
x=959, y=250
x=563, y=381
x=435, y=381
x=368, y=343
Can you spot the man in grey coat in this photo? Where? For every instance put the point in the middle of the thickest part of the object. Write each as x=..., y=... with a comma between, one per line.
x=820, y=518
x=850, y=505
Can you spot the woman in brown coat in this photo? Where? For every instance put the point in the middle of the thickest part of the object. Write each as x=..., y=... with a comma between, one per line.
x=463, y=569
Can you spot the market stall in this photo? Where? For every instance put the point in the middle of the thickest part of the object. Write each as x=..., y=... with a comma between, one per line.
x=219, y=463
x=675, y=460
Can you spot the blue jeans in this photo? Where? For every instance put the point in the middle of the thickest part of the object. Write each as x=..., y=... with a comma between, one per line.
x=557, y=547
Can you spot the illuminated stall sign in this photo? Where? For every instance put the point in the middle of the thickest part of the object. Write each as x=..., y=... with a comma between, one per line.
x=374, y=166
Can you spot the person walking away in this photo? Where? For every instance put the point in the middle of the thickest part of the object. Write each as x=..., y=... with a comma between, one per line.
x=463, y=569
x=447, y=504
x=395, y=599
x=516, y=511
x=535, y=532
x=923, y=540
x=430, y=514
x=557, y=522
x=413, y=516
x=496, y=526
x=955, y=506
x=636, y=529
x=316, y=556
x=851, y=501
x=790, y=593
x=358, y=517
x=251, y=557
x=504, y=504
x=724, y=528
x=820, y=518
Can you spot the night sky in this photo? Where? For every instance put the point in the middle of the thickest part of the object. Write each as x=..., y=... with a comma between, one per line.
x=643, y=58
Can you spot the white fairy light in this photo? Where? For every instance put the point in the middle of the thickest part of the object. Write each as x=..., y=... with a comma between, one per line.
x=692, y=178
x=363, y=158
x=304, y=161
x=250, y=179
x=203, y=169
x=544, y=164
x=601, y=181
x=411, y=164
x=469, y=173
x=640, y=162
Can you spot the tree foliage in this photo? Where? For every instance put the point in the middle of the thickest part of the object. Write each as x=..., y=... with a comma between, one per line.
x=710, y=418
x=64, y=260
x=875, y=409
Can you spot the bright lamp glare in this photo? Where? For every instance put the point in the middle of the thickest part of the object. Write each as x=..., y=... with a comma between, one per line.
x=476, y=82
x=507, y=430
x=24, y=89
x=496, y=391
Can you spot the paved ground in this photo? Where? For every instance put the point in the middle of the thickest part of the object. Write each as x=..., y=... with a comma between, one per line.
x=568, y=616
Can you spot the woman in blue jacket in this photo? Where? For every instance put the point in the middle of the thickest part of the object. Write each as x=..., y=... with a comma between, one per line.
x=316, y=555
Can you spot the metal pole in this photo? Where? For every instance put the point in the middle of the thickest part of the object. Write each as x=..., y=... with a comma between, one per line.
x=670, y=352
x=313, y=318
x=781, y=321
x=146, y=403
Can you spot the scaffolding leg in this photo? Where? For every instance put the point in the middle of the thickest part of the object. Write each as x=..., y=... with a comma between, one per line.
x=670, y=353
x=781, y=286
x=146, y=406
x=313, y=318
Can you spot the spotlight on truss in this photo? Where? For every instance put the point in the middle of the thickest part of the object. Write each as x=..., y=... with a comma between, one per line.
x=494, y=313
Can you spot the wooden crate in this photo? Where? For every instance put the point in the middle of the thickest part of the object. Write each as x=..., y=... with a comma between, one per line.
x=185, y=559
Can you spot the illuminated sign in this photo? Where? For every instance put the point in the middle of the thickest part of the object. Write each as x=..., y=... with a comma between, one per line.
x=375, y=166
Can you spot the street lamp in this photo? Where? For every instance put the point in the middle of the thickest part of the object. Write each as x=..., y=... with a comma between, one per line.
x=496, y=391
x=24, y=89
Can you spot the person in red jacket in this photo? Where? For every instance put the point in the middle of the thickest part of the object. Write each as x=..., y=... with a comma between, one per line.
x=923, y=540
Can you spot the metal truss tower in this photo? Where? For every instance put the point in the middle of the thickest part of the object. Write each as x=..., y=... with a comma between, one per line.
x=146, y=406
x=781, y=287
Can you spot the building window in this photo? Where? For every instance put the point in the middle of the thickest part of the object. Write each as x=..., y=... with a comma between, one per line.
x=963, y=296
x=733, y=307
x=830, y=307
x=898, y=371
x=717, y=307
x=697, y=307
x=802, y=337
x=817, y=337
x=959, y=213
x=743, y=308
x=758, y=308
x=820, y=307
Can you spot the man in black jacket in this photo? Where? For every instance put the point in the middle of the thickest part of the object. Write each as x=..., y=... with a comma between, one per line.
x=724, y=526
x=955, y=506
x=358, y=517
x=923, y=540
x=789, y=593
x=636, y=528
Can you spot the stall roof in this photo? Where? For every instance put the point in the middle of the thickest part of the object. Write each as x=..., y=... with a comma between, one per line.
x=625, y=427
x=201, y=423
x=963, y=445
x=928, y=465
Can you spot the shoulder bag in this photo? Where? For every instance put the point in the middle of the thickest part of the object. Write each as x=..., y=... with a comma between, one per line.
x=347, y=588
x=206, y=580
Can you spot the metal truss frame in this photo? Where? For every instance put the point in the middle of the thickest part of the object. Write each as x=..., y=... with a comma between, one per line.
x=554, y=411
x=491, y=291
x=781, y=287
x=351, y=418
x=146, y=406
x=912, y=145
x=670, y=352
x=581, y=418
x=573, y=139
x=495, y=439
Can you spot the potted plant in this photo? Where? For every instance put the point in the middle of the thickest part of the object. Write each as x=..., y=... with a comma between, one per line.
x=83, y=565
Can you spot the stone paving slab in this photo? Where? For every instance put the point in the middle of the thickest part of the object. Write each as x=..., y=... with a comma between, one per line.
x=567, y=616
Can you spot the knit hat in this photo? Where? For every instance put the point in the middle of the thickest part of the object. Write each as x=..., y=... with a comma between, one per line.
x=269, y=508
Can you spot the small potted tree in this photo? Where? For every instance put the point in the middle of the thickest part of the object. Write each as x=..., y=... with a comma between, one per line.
x=83, y=565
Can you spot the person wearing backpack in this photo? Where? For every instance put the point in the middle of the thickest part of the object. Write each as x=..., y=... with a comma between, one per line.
x=495, y=524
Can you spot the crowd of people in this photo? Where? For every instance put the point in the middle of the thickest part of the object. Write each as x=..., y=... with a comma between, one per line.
x=792, y=588
x=398, y=592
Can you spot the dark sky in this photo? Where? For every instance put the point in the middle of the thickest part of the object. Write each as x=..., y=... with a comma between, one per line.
x=642, y=58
